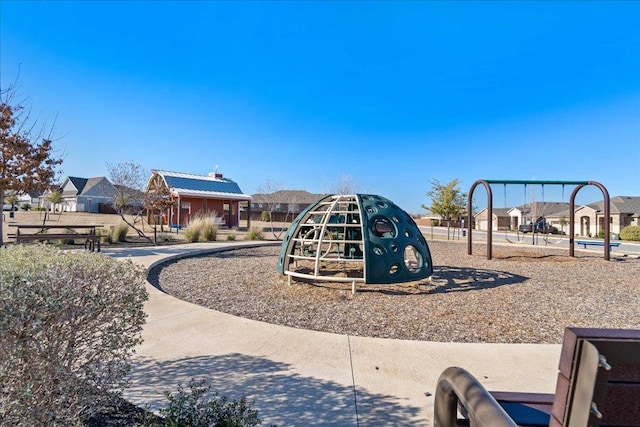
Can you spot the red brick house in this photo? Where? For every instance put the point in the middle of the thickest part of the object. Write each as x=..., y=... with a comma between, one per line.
x=200, y=195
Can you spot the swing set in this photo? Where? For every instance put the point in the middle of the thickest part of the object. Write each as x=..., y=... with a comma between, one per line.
x=538, y=223
x=578, y=185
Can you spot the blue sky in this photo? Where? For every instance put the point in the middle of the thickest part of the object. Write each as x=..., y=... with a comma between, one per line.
x=392, y=94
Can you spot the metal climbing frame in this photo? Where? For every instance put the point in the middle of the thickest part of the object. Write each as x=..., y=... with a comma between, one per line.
x=572, y=202
x=360, y=238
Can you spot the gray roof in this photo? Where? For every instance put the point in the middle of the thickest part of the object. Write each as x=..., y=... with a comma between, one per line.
x=544, y=208
x=83, y=185
x=620, y=205
x=287, y=196
x=501, y=211
x=185, y=184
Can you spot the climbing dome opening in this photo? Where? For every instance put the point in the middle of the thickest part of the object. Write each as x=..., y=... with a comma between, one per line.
x=360, y=238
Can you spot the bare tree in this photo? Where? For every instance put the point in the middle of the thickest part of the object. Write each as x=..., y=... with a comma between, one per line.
x=273, y=197
x=129, y=179
x=268, y=197
x=25, y=164
x=345, y=185
x=158, y=198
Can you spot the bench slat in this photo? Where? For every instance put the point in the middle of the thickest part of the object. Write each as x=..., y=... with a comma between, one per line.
x=55, y=236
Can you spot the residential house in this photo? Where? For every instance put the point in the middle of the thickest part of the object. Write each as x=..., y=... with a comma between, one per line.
x=432, y=219
x=85, y=194
x=210, y=194
x=500, y=219
x=589, y=219
x=31, y=199
x=555, y=214
x=511, y=218
x=284, y=205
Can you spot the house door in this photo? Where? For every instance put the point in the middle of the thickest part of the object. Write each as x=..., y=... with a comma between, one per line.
x=514, y=223
x=585, y=226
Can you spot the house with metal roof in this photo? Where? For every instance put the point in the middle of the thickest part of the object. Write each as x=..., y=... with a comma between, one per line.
x=210, y=195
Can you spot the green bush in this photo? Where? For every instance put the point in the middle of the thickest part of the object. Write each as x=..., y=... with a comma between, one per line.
x=26, y=207
x=69, y=322
x=630, y=232
x=264, y=216
x=231, y=235
x=194, y=409
x=255, y=234
x=601, y=234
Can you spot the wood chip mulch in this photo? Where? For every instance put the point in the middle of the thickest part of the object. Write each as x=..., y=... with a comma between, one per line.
x=526, y=294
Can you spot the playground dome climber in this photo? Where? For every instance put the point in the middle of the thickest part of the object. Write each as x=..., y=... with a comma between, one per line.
x=360, y=238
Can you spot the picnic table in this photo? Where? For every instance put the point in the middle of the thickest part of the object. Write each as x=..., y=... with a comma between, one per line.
x=86, y=232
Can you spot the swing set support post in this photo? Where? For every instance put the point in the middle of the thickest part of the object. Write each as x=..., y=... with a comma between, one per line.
x=607, y=223
x=487, y=186
x=579, y=184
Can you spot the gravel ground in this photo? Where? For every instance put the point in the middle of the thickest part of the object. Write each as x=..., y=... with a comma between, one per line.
x=524, y=295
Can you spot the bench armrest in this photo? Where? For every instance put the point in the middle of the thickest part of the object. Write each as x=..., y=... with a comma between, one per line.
x=457, y=385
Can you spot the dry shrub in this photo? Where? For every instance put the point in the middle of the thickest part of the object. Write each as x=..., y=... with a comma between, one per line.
x=119, y=232
x=202, y=227
x=255, y=234
x=69, y=322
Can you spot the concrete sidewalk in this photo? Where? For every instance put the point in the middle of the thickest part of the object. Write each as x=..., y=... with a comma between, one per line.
x=298, y=377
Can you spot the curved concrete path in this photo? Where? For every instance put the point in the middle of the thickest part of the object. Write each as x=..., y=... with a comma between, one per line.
x=299, y=377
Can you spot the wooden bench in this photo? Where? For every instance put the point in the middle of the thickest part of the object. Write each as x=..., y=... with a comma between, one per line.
x=596, y=243
x=598, y=385
x=87, y=233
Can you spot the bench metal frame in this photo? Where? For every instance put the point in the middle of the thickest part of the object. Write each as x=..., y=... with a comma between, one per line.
x=584, y=243
x=598, y=385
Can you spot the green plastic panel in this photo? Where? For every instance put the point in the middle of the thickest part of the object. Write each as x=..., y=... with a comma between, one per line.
x=363, y=228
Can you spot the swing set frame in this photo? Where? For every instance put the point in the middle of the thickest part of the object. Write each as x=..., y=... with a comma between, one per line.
x=572, y=202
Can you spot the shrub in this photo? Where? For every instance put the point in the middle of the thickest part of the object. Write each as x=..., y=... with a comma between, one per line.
x=209, y=230
x=26, y=207
x=119, y=232
x=255, y=234
x=264, y=216
x=165, y=237
x=69, y=322
x=105, y=236
x=601, y=234
x=202, y=227
x=192, y=233
x=630, y=232
x=193, y=408
x=231, y=235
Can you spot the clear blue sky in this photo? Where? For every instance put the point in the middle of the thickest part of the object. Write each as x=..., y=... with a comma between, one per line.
x=392, y=94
